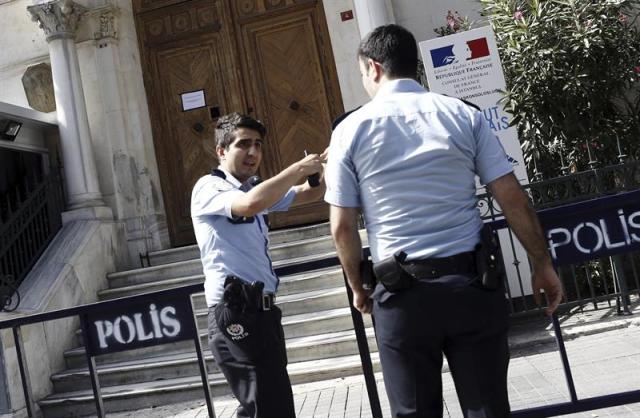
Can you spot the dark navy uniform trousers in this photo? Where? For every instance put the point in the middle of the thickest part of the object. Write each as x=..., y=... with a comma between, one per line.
x=260, y=383
x=447, y=315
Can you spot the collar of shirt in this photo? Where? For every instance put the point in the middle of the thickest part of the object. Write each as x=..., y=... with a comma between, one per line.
x=229, y=177
x=401, y=85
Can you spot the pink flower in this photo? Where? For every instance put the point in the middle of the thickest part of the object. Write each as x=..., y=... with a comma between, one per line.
x=622, y=18
x=637, y=69
x=451, y=20
x=518, y=15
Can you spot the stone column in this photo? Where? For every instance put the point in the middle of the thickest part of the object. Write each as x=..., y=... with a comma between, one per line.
x=59, y=20
x=371, y=14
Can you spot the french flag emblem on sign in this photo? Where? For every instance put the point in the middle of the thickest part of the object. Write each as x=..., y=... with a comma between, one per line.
x=450, y=54
x=478, y=48
x=442, y=56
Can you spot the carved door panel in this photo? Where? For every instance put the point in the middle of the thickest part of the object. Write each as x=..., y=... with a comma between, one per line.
x=292, y=84
x=186, y=49
x=269, y=58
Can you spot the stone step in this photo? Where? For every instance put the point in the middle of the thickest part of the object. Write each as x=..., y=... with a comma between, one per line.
x=194, y=267
x=191, y=268
x=311, y=280
x=147, y=394
x=176, y=365
x=295, y=326
x=277, y=252
x=276, y=238
x=299, y=233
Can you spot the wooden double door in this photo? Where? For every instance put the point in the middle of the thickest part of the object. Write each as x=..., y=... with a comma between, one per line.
x=201, y=59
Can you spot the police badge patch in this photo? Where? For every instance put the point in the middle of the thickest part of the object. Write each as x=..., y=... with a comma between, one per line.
x=236, y=332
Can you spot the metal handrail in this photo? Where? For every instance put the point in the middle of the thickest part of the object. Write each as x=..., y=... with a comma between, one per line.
x=90, y=308
x=30, y=228
x=113, y=304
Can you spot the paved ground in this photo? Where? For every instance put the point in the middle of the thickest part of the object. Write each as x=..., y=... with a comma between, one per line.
x=603, y=349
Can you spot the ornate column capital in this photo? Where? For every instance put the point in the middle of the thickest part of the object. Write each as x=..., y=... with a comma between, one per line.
x=103, y=22
x=58, y=19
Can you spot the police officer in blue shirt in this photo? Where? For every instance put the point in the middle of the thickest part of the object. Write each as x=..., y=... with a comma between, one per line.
x=228, y=213
x=408, y=159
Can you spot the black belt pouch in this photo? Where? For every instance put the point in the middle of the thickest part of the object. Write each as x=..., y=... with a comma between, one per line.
x=390, y=273
x=489, y=260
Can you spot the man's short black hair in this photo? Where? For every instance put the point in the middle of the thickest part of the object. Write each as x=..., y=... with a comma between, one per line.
x=394, y=48
x=227, y=125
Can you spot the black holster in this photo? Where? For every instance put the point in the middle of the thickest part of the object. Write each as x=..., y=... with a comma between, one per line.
x=237, y=316
x=489, y=260
x=390, y=273
x=241, y=295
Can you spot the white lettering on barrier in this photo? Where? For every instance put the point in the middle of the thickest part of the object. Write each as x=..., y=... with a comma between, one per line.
x=155, y=320
x=559, y=237
x=625, y=228
x=576, y=231
x=553, y=244
x=117, y=330
x=164, y=324
x=105, y=330
x=140, y=328
x=632, y=224
x=168, y=321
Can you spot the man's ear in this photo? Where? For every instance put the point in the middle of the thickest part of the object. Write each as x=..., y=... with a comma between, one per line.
x=221, y=151
x=376, y=67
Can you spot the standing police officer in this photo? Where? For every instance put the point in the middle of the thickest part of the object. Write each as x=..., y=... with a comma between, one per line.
x=245, y=330
x=409, y=159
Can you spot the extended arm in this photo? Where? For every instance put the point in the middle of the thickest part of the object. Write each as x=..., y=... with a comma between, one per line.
x=267, y=193
x=344, y=229
x=308, y=194
x=523, y=220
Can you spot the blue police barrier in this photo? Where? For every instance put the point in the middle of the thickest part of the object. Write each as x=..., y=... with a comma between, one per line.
x=606, y=226
x=122, y=324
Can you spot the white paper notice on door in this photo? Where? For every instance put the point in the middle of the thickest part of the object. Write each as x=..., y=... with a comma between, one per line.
x=193, y=100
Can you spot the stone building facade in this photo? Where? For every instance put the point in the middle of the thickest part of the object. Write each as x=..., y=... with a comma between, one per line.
x=103, y=82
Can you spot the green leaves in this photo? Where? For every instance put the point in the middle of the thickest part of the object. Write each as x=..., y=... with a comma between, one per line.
x=569, y=66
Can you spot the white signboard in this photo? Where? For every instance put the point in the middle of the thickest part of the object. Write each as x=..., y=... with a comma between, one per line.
x=466, y=65
x=193, y=100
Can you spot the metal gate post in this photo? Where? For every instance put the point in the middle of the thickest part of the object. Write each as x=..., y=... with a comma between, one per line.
x=365, y=355
x=202, y=364
x=24, y=371
x=93, y=372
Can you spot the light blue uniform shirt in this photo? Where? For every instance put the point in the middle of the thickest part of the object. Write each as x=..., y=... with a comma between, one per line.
x=409, y=159
x=228, y=249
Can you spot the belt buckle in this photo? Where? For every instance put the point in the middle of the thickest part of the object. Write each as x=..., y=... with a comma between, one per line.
x=266, y=302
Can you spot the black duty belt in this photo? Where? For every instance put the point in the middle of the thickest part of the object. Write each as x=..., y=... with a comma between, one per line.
x=267, y=302
x=432, y=268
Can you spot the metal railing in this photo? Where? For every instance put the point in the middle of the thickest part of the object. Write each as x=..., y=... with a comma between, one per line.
x=595, y=284
x=85, y=312
x=31, y=217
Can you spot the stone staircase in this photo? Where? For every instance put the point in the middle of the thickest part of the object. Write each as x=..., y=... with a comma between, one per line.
x=317, y=323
